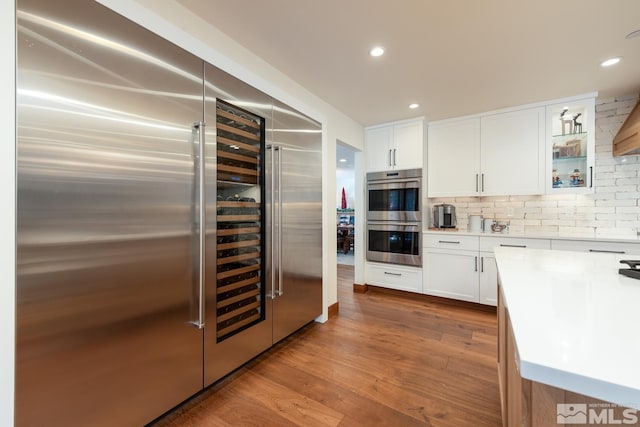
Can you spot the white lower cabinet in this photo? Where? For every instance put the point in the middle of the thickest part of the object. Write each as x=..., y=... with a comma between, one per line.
x=488, y=279
x=451, y=274
x=394, y=276
x=464, y=267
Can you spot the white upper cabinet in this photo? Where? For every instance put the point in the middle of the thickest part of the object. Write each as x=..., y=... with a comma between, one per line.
x=394, y=146
x=512, y=153
x=495, y=154
x=453, y=158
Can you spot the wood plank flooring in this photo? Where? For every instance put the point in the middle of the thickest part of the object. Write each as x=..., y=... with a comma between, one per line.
x=387, y=359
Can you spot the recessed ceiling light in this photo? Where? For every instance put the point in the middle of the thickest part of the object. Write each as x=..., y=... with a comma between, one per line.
x=414, y=106
x=376, y=51
x=633, y=34
x=611, y=61
x=343, y=160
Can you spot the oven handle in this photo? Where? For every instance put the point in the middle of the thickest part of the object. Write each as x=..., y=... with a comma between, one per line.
x=385, y=184
x=396, y=224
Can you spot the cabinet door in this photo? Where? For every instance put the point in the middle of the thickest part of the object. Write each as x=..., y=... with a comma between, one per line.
x=453, y=155
x=570, y=147
x=407, y=145
x=451, y=274
x=488, y=279
x=378, y=148
x=512, y=153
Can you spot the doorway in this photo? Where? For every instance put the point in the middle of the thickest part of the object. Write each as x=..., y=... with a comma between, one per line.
x=345, y=203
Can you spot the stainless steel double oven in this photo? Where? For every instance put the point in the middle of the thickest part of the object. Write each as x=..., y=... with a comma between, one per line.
x=394, y=217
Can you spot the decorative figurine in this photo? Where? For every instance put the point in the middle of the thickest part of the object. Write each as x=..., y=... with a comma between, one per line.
x=576, y=178
x=577, y=127
x=555, y=180
x=566, y=120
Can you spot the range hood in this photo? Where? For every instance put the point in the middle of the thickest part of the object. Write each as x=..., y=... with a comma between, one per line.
x=627, y=141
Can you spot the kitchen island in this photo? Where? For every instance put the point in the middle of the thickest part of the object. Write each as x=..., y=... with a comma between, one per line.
x=568, y=338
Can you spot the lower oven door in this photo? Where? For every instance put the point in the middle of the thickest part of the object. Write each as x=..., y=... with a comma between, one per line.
x=395, y=243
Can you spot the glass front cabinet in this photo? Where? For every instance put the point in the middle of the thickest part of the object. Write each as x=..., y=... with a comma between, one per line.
x=571, y=146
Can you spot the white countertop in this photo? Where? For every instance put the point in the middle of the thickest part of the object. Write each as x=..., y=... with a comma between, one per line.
x=615, y=239
x=576, y=321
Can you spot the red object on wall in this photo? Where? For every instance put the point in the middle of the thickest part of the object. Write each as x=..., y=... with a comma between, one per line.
x=343, y=205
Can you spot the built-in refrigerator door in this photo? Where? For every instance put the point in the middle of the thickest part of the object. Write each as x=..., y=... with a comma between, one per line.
x=106, y=243
x=296, y=149
x=237, y=322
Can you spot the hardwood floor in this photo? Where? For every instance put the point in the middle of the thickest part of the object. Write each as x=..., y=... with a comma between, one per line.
x=387, y=359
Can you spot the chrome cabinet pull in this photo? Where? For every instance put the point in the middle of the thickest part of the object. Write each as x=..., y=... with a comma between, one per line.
x=482, y=182
x=513, y=246
x=606, y=252
x=477, y=182
x=481, y=264
x=199, y=127
x=453, y=242
x=280, y=284
x=392, y=274
x=394, y=157
x=476, y=262
x=272, y=199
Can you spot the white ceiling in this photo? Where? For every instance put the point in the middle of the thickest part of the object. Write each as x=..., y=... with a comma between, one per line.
x=453, y=57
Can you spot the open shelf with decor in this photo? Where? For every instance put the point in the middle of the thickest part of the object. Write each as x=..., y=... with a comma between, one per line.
x=571, y=148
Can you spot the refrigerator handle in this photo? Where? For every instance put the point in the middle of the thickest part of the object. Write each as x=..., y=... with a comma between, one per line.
x=272, y=198
x=199, y=127
x=280, y=284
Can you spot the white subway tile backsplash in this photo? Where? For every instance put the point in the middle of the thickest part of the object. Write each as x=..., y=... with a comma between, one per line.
x=616, y=231
x=617, y=217
x=617, y=189
x=628, y=209
x=605, y=169
x=559, y=222
x=595, y=223
x=577, y=231
x=628, y=196
x=604, y=182
x=622, y=172
x=617, y=202
x=541, y=230
x=541, y=203
x=628, y=181
x=627, y=97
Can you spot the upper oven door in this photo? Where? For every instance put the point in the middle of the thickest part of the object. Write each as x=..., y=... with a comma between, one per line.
x=394, y=200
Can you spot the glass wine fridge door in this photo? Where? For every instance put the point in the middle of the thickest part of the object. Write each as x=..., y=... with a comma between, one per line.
x=396, y=243
x=236, y=327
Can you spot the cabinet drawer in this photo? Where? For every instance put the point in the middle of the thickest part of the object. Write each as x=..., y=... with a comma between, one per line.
x=394, y=277
x=450, y=241
x=488, y=243
x=592, y=246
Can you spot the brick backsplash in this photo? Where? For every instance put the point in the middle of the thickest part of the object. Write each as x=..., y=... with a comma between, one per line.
x=612, y=210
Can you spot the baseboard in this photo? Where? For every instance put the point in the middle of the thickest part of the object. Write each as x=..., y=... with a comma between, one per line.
x=433, y=299
x=360, y=289
x=333, y=310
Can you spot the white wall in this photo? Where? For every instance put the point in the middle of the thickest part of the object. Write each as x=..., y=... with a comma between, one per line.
x=613, y=210
x=346, y=178
x=188, y=31
x=7, y=212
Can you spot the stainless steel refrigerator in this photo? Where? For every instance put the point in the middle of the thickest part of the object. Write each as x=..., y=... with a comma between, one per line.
x=169, y=219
